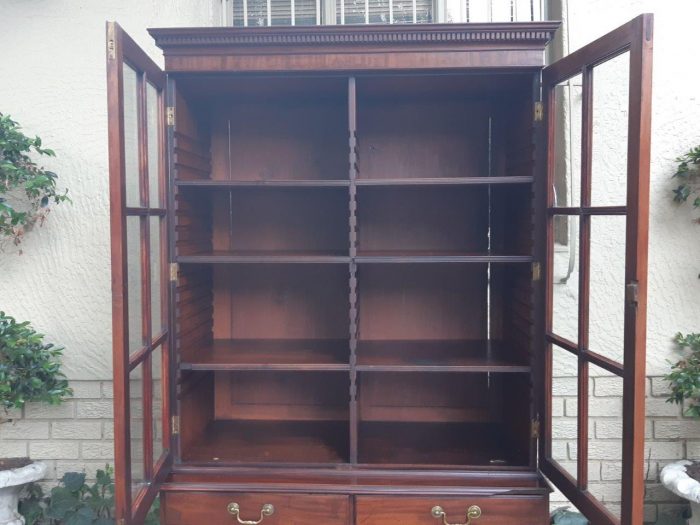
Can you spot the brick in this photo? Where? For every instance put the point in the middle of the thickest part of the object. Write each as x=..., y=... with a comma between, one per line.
x=557, y=407
x=53, y=449
x=664, y=450
x=605, y=407
x=65, y=410
x=677, y=510
x=103, y=450
x=108, y=430
x=611, y=471
x=607, y=386
x=24, y=430
x=676, y=429
x=108, y=389
x=657, y=492
x=608, y=429
x=86, y=389
x=76, y=430
x=692, y=449
x=571, y=407
x=564, y=386
x=660, y=387
x=13, y=449
x=605, y=450
x=564, y=428
x=660, y=408
x=650, y=514
x=90, y=468
x=560, y=449
x=95, y=410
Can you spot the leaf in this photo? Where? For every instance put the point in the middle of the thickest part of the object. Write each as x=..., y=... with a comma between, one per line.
x=73, y=481
x=62, y=502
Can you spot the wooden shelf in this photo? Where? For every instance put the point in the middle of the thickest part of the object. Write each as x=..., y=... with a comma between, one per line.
x=269, y=354
x=396, y=256
x=271, y=442
x=436, y=356
x=258, y=257
x=418, y=443
x=445, y=181
x=287, y=183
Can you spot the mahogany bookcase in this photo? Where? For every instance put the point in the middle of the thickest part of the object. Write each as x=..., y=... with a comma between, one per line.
x=332, y=265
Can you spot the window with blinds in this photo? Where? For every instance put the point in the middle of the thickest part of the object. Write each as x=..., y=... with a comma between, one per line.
x=312, y=12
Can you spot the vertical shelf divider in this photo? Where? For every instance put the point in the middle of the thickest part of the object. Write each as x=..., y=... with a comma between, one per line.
x=352, y=129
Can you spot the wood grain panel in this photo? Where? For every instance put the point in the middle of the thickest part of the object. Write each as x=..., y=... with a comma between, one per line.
x=375, y=510
x=195, y=508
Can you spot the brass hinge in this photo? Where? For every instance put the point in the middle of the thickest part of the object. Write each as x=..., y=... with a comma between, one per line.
x=170, y=115
x=175, y=424
x=173, y=271
x=535, y=428
x=632, y=294
x=538, y=111
x=536, y=271
x=111, y=42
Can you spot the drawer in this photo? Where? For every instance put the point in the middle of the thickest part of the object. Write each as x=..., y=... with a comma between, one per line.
x=211, y=508
x=495, y=510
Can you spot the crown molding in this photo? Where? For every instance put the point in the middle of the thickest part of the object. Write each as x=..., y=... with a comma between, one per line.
x=535, y=34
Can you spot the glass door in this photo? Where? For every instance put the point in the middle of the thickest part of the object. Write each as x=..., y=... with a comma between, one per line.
x=135, y=92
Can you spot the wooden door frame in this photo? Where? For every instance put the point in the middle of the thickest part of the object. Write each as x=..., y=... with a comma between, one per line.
x=121, y=49
x=635, y=37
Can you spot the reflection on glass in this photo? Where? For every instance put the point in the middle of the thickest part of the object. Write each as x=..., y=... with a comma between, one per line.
x=565, y=277
x=605, y=429
x=610, y=131
x=568, y=113
x=157, y=366
x=131, y=137
x=136, y=427
x=564, y=429
x=606, y=328
x=155, y=224
x=153, y=125
x=133, y=271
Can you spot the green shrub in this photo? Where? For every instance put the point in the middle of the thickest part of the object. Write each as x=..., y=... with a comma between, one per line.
x=74, y=502
x=30, y=370
x=26, y=189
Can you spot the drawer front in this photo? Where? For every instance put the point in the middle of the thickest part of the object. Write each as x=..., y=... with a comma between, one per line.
x=403, y=510
x=211, y=508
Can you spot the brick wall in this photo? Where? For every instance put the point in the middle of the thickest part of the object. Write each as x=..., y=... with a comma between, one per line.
x=75, y=436
x=669, y=437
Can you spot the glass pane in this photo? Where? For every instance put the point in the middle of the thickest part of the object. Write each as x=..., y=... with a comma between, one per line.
x=257, y=12
x=156, y=276
x=305, y=12
x=565, y=275
x=131, y=137
x=564, y=429
x=354, y=11
x=605, y=437
x=136, y=428
x=153, y=125
x=133, y=271
x=403, y=11
x=568, y=100
x=157, y=367
x=606, y=327
x=379, y=11
x=610, y=121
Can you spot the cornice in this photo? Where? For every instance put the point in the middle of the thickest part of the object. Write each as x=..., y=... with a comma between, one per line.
x=523, y=33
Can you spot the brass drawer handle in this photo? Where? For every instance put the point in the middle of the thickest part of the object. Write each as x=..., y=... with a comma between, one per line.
x=235, y=510
x=473, y=513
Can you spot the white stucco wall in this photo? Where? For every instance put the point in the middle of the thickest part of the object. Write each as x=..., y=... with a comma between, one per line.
x=53, y=81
